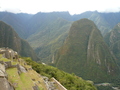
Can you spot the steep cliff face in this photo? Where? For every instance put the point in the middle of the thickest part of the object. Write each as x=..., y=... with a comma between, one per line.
x=85, y=53
x=9, y=38
x=113, y=40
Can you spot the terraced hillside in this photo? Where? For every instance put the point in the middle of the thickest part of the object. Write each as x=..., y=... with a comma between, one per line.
x=16, y=74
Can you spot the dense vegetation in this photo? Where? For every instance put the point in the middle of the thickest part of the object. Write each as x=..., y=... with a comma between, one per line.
x=9, y=38
x=70, y=81
x=86, y=54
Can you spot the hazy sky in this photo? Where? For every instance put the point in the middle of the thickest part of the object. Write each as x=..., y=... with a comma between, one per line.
x=73, y=6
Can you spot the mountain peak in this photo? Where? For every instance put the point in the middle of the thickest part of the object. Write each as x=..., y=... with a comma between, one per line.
x=85, y=53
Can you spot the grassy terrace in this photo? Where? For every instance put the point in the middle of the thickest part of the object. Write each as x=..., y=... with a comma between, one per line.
x=24, y=81
x=20, y=82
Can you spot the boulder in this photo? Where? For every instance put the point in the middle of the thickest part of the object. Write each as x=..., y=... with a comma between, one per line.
x=21, y=68
x=35, y=87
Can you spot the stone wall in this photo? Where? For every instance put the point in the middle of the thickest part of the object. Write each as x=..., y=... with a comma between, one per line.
x=9, y=53
x=4, y=84
x=61, y=87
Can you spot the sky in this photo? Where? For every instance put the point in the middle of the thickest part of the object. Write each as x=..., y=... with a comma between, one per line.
x=73, y=6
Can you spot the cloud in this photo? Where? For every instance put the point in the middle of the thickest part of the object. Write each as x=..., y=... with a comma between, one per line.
x=73, y=6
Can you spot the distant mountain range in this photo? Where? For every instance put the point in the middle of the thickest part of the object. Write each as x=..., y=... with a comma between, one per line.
x=9, y=38
x=46, y=32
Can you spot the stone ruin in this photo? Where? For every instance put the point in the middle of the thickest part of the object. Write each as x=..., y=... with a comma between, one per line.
x=8, y=53
x=4, y=84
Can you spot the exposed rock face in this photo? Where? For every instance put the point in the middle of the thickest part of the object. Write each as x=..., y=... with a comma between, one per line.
x=35, y=87
x=2, y=67
x=21, y=68
x=86, y=54
x=4, y=84
x=2, y=71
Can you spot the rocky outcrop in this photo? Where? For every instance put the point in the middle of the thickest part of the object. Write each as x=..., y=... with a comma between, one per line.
x=5, y=85
x=21, y=68
x=35, y=87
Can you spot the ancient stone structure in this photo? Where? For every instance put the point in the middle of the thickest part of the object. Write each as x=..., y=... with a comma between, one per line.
x=8, y=53
x=4, y=84
x=61, y=87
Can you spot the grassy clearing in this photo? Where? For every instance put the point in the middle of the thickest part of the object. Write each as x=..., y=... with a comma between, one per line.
x=26, y=80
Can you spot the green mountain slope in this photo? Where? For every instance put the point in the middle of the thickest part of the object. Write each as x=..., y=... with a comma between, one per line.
x=9, y=38
x=17, y=21
x=113, y=40
x=85, y=53
x=49, y=38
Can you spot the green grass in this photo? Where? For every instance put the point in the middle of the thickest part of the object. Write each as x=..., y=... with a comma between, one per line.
x=4, y=59
x=0, y=55
x=26, y=80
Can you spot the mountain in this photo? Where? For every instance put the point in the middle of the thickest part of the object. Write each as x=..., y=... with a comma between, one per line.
x=113, y=40
x=85, y=53
x=9, y=38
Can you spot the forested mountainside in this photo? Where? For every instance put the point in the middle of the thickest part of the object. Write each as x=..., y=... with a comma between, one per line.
x=85, y=53
x=9, y=38
x=30, y=27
